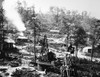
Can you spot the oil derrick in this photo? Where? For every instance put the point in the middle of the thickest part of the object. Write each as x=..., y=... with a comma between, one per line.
x=69, y=68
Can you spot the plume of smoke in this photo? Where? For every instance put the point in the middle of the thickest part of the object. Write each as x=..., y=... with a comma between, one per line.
x=11, y=12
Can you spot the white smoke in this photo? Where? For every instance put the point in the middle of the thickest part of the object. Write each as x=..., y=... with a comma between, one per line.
x=11, y=12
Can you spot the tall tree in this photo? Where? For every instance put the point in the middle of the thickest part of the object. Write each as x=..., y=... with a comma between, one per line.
x=56, y=17
x=95, y=34
x=79, y=37
x=67, y=25
x=31, y=21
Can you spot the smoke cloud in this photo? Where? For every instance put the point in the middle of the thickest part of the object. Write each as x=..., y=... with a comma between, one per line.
x=11, y=12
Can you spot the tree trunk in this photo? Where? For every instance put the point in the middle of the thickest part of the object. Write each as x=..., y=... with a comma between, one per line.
x=92, y=51
x=76, y=50
x=67, y=42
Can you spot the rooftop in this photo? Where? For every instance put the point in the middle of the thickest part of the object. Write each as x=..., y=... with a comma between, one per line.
x=9, y=40
x=57, y=31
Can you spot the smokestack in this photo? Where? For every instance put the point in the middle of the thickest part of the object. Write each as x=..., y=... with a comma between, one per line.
x=11, y=12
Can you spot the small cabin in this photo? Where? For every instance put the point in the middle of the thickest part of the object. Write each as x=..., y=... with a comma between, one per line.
x=21, y=40
x=8, y=46
x=54, y=31
x=9, y=43
x=87, y=49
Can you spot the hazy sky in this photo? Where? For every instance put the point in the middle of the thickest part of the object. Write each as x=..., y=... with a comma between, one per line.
x=91, y=6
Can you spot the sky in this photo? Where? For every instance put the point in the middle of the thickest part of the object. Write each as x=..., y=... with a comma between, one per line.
x=91, y=6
